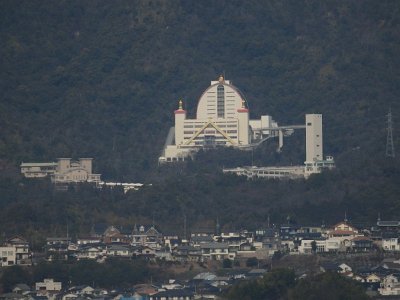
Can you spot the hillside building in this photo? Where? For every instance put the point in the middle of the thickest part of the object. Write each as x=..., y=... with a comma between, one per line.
x=222, y=119
x=64, y=171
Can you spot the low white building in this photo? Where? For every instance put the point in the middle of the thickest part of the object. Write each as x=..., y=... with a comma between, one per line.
x=323, y=245
x=252, y=172
x=64, y=171
x=390, y=243
x=333, y=245
x=38, y=170
x=48, y=285
x=390, y=285
x=216, y=251
x=306, y=246
x=119, y=250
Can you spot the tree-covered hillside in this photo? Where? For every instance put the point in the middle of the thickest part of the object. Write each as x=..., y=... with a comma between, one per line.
x=102, y=78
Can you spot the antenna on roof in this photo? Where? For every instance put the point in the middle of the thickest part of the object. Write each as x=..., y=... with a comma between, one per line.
x=345, y=216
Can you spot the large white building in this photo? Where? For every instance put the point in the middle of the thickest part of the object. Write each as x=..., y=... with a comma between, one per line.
x=222, y=119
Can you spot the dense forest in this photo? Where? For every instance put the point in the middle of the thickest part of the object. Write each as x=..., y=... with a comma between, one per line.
x=101, y=79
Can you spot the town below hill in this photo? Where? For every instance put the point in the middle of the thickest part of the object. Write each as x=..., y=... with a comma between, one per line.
x=206, y=261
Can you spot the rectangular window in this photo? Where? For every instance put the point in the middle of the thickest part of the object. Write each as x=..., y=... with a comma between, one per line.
x=308, y=124
x=221, y=101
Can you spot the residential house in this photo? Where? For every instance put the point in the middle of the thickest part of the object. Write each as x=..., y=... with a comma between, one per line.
x=57, y=247
x=373, y=278
x=343, y=233
x=148, y=236
x=181, y=294
x=306, y=246
x=22, y=250
x=119, y=251
x=91, y=252
x=344, y=268
x=288, y=231
x=216, y=251
x=145, y=289
x=333, y=245
x=234, y=240
x=48, y=285
x=196, y=241
x=114, y=235
x=390, y=285
x=187, y=253
x=82, y=290
x=269, y=238
x=21, y=288
x=7, y=256
x=172, y=284
x=361, y=244
x=390, y=241
x=68, y=296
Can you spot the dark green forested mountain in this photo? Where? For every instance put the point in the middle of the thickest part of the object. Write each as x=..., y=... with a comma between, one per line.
x=102, y=78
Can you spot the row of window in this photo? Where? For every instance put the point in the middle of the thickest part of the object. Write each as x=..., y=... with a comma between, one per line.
x=201, y=125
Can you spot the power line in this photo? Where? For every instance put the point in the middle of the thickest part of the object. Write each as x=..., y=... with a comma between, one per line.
x=389, y=139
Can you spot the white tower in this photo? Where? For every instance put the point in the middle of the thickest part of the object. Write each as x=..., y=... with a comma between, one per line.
x=180, y=117
x=243, y=126
x=314, y=144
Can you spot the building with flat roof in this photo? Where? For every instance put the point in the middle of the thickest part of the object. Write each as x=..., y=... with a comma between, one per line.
x=64, y=171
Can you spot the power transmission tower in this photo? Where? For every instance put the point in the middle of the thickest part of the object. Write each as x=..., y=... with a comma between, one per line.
x=389, y=139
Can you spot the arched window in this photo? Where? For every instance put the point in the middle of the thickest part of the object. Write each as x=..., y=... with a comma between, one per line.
x=221, y=101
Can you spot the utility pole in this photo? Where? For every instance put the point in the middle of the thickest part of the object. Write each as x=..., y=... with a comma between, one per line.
x=184, y=226
x=389, y=138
